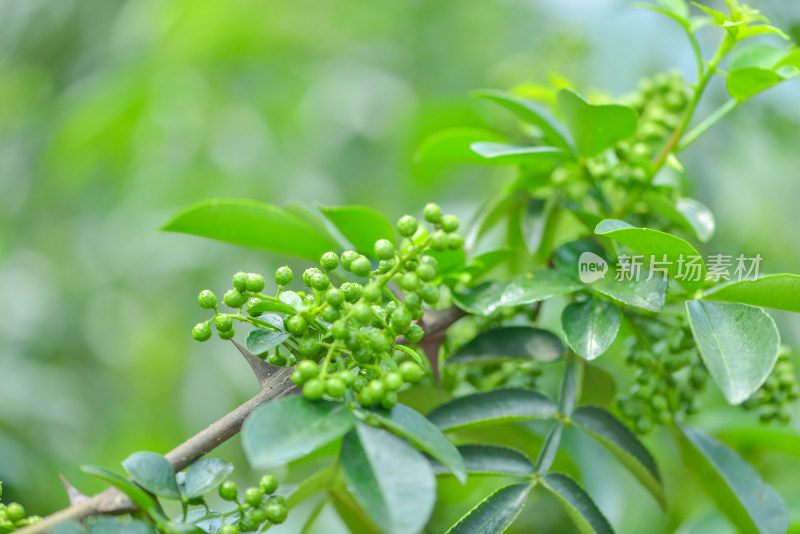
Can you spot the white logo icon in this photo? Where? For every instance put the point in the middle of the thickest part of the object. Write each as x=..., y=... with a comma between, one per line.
x=591, y=267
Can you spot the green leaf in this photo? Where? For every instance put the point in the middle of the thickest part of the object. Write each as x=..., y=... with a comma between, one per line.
x=361, y=226
x=595, y=128
x=453, y=146
x=510, y=343
x=269, y=305
x=678, y=7
x=261, y=341
x=483, y=263
x=154, y=473
x=109, y=525
x=139, y=497
x=738, y=343
x=418, y=430
x=622, y=443
x=758, y=55
x=529, y=112
x=289, y=428
x=719, y=17
x=252, y=224
x=204, y=475
x=492, y=407
x=411, y=352
x=389, y=479
x=495, y=513
x=687, y=213
x=70, y=526
x=492, y=460
x=776, y=291
x=739, y=491
x=597, y=386
x=749, y=81
x=590, y=327
x=658, y=245
x=537, y=286
x=578, y=505
x=319, y=481
x=482, y=299
x=514, y=154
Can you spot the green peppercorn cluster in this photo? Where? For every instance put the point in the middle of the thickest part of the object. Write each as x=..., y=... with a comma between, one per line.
x=259, y=507
x=508, y=374
x=772, y=399
x=668, y=379
x=347, y=337
x=12, y=515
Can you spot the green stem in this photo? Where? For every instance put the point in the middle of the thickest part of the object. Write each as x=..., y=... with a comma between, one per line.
x=706, y=124
x=566, y=403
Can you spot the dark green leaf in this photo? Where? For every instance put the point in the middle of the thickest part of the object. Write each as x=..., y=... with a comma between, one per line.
x=739, y=491
x=598, y=386
x=109, y=525
x=738, y=343
x=154, y=473
x=513, y=154
x=260, y=341
x=252, y=224
x=453, y=146
x=495, y=513
x=510, y=343
x=529, y=112
x=595, y=127
x=361, y=226
x=492, y=407
x=449, y=260
x=578, y=505
x=590, y=326
x=617, y=438
x=482, y=299
x=687, y=213
x=482, y=264
x=661, y=246
x=418, y=430
x=777, y=291
x=491, y=460
x=289, y=428
x=139, y=497
x=70, y=526
x=390, y=480
x=537, y=286
x=204, y=475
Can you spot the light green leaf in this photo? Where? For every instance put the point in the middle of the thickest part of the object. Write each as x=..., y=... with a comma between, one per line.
x=139, y=497
x=252, y=224
x=411, y=352
x=261, y=341
x=622, y=443
x=658, y=245
x=678, y=7
x=578, y=505
x=597, y=386
x=738, y=343
x=204, y=475
x=739, y=491
x=758, y=55
x=289, y=428
x=719, y=18
x=482, y=264
x=537, y=286
x=270, y=305
x=453, y=146
x=482, y=299
x=418, y=430
x=319, y=481
x=70, y=526
x=776, y=291
x=510, y=343
x=495, y=513
x=361, y=226
x=112, y=525
x=529, y=112
x=590, y=327
x=595, y=127
x=389, y=479
x=686, y=213
x=154, y=473
x=513, y=154
x=492, y=407
x=746, y=82
x=492, y=460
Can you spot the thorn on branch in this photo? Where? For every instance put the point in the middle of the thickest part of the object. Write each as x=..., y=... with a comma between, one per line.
x=75, y=496
x=261, y=368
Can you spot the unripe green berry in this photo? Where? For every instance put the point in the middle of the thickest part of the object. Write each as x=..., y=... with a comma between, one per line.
x=228, y=529
x=296, y=324
x=377, y=340
x=450, y=223
x=409, y=282
x=207, y=299
x=432, y=213
x=252, y=496
x=329, y=261
x=426, y=272
x=407, y=226
x=359, y=383
x=394, y=380
x=335, y=297
x=339, y=329
x=277, y=513
x=256, y=515
x=384, y=249
x=253, y=307
x=439, y=240
x=455, y=241
x=277, y=499
x=412, y=301
x=348, y=257
x=372, y=293
x=401, y=319
x=226, y=334
x=384, y=266
x=240, y=281
x=335, y=387
x=361, y=267
x=320, y=281
x=347, y=377
x=362, y=312
x=308, y=273
x=297, y=378
x=366, y=398
x=277, y=358
x=314, y=389
x=363, y=356
x=352, y=291
x=234, y=299
x=255, y=282
x=330, y=314
x=415, y=333
x=644, y=424
x=429, y=293
x=389, y=400
x=223, y=322
x=283, y=276
x=308, y=346
x=247, y=523
x=411, y=372
x=308, y=369
x=377, y=388
x=201, y=332
x=658, y=403
x=228, y=491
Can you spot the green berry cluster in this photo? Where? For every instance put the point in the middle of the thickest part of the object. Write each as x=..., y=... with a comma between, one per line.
x=12, y=515
x=669, y=377
x=345, y=336
x=508, y=374
x=259, y=505
x=772, y=399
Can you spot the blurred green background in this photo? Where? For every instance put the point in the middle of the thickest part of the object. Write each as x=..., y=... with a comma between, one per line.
x=114, y=114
